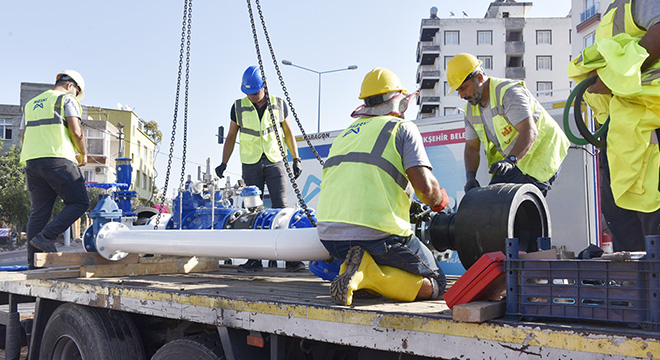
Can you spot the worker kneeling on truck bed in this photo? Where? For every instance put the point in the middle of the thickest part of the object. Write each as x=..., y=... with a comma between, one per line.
x=523, y=143
x=363, y=209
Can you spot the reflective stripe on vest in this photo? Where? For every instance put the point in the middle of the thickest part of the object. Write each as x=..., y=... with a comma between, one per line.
x=46, y=129
x=545, y=156
x=257, y=136
x=363, y=179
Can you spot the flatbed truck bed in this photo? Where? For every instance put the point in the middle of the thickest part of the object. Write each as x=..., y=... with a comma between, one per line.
x=275, y=304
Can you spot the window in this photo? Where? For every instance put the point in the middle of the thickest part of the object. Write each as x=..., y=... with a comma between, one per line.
x=544, y=88
x=486, y=61
x=543, y=37
x=5, y=129
x=452, y=38
x=451, y=110
x=447, y=58
x=137, y=179
x=544, y=63
x=590, y=39
x=95, y=141
x=484, y=38
x=144, y=180
x=87, y=174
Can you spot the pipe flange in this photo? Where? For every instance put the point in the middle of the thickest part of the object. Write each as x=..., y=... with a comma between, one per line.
x=282, y=219
x=102, y=244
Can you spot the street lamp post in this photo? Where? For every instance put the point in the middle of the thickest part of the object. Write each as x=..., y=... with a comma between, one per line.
x=350, y=67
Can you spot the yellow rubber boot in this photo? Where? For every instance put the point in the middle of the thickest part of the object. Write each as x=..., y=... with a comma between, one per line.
x=362, y=272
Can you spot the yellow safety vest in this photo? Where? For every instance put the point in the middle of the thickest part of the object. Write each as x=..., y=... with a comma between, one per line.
x=257, y=136
x=46, y=132
x=632, y=144
x=549, y=149
x=364, y=180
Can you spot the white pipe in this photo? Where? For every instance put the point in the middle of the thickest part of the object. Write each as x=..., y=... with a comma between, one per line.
x=116, y=240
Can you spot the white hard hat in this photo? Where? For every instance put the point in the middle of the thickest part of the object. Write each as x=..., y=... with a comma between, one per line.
x=78, y=79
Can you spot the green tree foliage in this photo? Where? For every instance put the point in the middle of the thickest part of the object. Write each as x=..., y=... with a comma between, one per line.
x=14, y=196
x=151, y=129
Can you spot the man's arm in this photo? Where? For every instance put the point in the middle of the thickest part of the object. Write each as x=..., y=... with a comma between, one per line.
x=78, y=139
x=471, y=155
x=228, y=148
x=289, y=139
x=426, y=185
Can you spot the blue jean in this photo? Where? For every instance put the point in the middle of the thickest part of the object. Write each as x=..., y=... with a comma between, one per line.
x=265, y=172
x=515, y=176
x=406, y=253
x=48, y=178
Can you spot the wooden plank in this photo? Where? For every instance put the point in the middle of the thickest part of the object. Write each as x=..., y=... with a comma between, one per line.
x=77, y=258
x=157, y=259
x=479, y=311
x=58, y=272
x=193, y=265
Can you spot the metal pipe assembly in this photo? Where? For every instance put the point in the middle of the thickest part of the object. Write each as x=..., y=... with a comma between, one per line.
x=115, y=241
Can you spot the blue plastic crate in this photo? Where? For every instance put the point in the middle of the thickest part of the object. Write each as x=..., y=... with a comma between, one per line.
x=602, y=290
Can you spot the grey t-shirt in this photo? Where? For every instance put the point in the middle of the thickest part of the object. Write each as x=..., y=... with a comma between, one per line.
x=410, y=145
x=517, y=102
x=70, y=109
x=646, y=13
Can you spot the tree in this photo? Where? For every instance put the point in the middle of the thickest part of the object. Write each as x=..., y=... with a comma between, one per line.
x=14, y=196
x=151, y=129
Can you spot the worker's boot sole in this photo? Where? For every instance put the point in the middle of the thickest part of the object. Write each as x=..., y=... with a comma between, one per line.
x=339, y=289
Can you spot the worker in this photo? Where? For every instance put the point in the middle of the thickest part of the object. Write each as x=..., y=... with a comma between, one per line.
x=373, y=168
x=52, y=151
x=624, y=59
x=523, y=143
x=260, y=151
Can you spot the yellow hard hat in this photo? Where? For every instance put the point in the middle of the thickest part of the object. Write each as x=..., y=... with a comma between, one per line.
x=459, y=67
x=77, y=78
x=380, y=81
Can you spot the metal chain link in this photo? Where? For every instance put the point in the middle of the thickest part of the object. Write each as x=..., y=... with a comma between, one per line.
x=187, y=17
x=292, y=179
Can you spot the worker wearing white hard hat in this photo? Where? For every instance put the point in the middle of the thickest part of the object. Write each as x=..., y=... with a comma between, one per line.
x=53, y=148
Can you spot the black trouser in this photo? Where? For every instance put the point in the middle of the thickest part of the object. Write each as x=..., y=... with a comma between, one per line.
x=48, y=178
x=265, y=172
x=628, y=227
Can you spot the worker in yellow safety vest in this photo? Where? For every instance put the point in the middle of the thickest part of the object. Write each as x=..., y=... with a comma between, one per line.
x=625, y=58
x=372, y=170
x=53, y=148
x=260, y=152
x=523, y=143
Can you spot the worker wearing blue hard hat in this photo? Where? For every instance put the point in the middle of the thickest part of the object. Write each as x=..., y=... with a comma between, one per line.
x=261, y=156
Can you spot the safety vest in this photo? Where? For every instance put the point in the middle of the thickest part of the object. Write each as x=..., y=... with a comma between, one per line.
x=364, y=180
x=257, y=136
x=46, y=129
x=549, y=149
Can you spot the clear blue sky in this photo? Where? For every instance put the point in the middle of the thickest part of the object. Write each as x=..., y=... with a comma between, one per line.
x=128, y=52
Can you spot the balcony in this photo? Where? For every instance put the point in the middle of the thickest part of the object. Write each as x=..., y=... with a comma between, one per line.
x=589, y=17
x=428, y=78
x=429, y=28
x=510, y=23
x=426, y=54
x=588, y=13
x=429, y=104
x=514, y=47
x=514, y=72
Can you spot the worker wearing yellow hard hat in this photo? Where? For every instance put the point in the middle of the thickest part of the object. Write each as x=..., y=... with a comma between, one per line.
x=363, y=209
x=624, y=59
x=522, y=142
x=53, y=148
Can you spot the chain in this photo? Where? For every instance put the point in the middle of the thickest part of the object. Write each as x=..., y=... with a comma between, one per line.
x=301, y=201
x=187, y=17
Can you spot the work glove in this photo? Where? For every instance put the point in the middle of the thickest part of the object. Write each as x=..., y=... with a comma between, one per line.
x=297, y=167
x=471, y=182
x=443, y=204
x=502, y=167
x=220, y=169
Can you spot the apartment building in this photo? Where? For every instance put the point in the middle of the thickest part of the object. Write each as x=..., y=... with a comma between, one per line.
x=586, y=17
x=509, y=44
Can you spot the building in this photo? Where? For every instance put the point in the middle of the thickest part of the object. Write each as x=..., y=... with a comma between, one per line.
x=509, y=44
x=586, y=18
x=103, y=130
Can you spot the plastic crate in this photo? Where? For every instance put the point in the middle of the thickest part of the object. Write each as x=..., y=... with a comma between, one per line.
x=601, y=290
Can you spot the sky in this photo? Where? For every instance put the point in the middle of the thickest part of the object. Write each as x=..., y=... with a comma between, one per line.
x=128, y=53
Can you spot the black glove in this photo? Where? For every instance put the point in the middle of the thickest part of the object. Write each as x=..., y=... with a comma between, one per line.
x=471, y=182
x=502, y=167
x=220, y=169
x=297, y=167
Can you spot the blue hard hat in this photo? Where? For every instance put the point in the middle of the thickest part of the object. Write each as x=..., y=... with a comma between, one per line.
x=252, y=81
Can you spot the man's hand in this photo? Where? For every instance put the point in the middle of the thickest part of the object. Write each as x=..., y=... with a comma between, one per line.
x=599, y=87
x=297, y=167
x=82, y=159
x=502, y=167
x=220, y=169
x=443, y=203
x=471, y=182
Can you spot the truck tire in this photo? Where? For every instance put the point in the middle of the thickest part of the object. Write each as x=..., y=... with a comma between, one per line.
x=199, y=347
x=81, y=332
